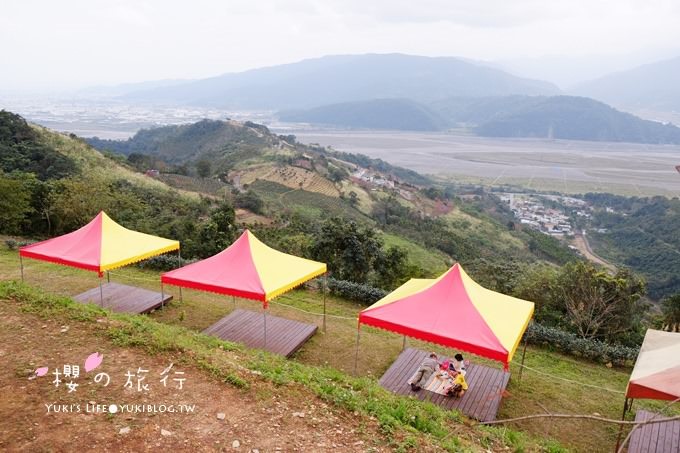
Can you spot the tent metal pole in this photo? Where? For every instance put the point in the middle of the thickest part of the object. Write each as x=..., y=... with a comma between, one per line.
x=265, y=327
x=162, y=294
x=623, y=416
x=324, y=302
x=108, y=277
x=403, y=344
x=524, y=353
x=21, y=265
x=101, y=292
x=233, y=301
x=356, y=353
x=179, y=259
x=181, y=299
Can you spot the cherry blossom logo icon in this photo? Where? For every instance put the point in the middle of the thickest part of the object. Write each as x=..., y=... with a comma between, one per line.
x=91, y=362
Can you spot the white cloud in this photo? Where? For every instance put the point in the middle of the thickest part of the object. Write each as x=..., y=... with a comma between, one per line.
x=83, y=42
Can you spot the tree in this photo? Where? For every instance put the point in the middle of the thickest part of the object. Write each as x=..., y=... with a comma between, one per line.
x=349, y=249
x=353, y=198
x=76, y=202
x=538, y=283
x=391, y=268
x=218, y=232
x=670, y=308
x=15, y=204
x=203, y=168
x=336, y=174
x=600, y=305
x=250, y=200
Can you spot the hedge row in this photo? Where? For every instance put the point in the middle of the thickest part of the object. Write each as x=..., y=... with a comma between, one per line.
x=357, y=292
x=569, y=343
x=164, y=262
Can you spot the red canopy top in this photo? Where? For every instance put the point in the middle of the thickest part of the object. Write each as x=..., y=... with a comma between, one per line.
x=99, y=246
x=454, y=311
x=247, y=268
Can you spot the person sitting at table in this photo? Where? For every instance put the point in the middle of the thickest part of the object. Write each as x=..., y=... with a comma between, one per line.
x=458, y=384
x=426, y=369
x=458, y=363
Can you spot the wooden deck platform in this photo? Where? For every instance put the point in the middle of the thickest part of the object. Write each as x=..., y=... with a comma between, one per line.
x=656, y=437
x=481, y=401
x=284, y=336
x=124, y=298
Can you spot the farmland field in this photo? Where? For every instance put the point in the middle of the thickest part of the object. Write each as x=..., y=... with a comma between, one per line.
x=544, y=165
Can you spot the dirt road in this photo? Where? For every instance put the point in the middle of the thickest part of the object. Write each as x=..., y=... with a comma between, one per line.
x=583, y=246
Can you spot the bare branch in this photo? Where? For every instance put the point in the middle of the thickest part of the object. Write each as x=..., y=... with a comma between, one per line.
x=581, y=417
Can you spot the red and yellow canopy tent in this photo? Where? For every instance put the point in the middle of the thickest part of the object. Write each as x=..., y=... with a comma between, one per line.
x=656, y=374
x=453, y=311
x=99, y=246
x=249, y=269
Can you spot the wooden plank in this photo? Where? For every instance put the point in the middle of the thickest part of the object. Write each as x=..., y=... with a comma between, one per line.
x=481, y=401
x=490, y=408
x=284, y=336
x=123, y=298
x=654, y=436
x=668, y=436
x=657, y=437
x=393, y=376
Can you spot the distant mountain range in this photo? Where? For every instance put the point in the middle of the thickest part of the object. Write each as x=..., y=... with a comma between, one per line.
x=561, y=117
x=654, y=87
x=345, y=78
x=395, y=114
x=406, y=92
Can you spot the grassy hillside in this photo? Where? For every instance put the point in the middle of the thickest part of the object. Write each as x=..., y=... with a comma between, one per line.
x=176, y=328
x=292, y=179
x=640, y=233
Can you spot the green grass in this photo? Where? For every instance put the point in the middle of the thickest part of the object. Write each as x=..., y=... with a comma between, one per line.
x=333, y=351
x=311, y=204
x=434, y=261
x=403, y=421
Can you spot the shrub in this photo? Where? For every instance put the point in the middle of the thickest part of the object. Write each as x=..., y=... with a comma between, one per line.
x=164, y=262
x=572, y=344
x=355, y=291
x=13, y=244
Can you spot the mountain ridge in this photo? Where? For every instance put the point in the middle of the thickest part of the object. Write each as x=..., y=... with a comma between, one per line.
x=346, y=78
x=651, y=86
x=559, y=117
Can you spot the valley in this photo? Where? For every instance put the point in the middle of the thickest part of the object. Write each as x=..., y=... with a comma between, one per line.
x=541, y=165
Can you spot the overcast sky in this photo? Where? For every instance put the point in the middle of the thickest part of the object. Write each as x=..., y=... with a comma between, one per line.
x=48, y=44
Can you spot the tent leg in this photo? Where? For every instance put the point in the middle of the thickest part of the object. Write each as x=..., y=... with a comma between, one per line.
x=356, y=353
x=324, y=303
x=524, y=353
x=21, y=265
x=179, y=259
x=108, y=277
x=265, y=328
x=162, y=295
x=623, y=416
x=101, y=292
x=403, y=343
x=233, y=301
x=181, y=299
